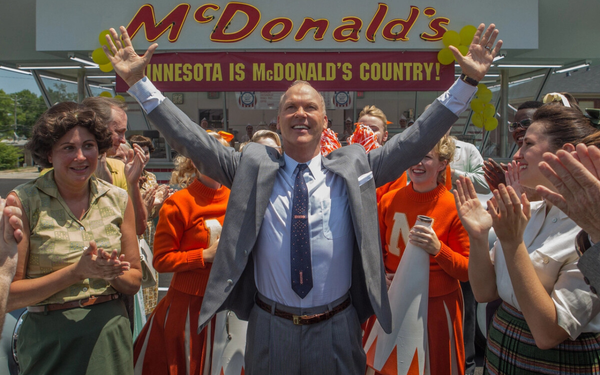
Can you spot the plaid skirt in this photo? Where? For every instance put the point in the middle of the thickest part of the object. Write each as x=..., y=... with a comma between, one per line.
x=511, y=349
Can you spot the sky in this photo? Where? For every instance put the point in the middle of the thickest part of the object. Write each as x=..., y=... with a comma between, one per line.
x=14, y=82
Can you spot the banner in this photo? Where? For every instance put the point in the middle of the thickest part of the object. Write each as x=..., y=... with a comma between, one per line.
x=249, y=72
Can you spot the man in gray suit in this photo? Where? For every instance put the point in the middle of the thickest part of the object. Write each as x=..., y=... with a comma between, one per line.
x=300, y=255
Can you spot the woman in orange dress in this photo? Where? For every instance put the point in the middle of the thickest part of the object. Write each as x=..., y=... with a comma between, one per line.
x=185, y=243
x=446, y=242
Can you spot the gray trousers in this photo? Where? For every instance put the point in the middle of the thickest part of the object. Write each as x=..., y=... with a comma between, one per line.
x=276, y=346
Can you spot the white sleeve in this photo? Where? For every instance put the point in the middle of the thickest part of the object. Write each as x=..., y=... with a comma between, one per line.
x=576, y=306
x=458, y=96
x=146, y=94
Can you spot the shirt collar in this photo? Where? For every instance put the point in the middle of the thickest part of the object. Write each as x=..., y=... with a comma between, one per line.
x=314, y=165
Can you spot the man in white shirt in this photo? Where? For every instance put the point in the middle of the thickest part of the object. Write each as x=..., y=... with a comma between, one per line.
x=300, y=255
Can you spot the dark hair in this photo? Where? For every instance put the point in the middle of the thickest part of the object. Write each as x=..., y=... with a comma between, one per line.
x=103, y=106
x=530, y=104
x=142, y=141
x=563, y=124
x=58, y=121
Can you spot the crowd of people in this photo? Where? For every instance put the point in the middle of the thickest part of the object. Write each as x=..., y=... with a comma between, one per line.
x=302, y=245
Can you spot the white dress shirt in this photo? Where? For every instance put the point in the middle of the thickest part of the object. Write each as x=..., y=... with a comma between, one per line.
x=332, y=236
x=550, y=241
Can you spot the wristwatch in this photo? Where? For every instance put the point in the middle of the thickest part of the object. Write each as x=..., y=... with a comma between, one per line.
x=468, y=80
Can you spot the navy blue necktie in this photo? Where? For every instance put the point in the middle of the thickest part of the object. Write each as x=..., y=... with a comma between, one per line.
x=300, y=256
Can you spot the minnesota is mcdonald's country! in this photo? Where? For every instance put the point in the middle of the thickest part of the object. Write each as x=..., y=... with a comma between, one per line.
x=264, y=71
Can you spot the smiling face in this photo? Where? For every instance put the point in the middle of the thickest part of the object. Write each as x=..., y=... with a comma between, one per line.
x=521, y=115
x=74, y=157
x=301, y=121
x=376, y=124
x=528, y=157
x=424, y=175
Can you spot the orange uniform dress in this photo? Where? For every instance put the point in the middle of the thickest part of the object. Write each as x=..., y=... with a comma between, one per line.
x=169, y=342
x=398, y=211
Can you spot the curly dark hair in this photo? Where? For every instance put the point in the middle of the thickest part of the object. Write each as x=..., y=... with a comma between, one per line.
x=60, y=119
x=142, y=141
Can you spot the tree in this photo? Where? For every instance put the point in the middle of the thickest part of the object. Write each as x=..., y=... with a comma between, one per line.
x=58, y=93
x=9, y=156
x=28, y=107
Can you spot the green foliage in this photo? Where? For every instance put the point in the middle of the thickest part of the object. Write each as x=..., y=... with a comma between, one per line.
x=58, y=93
x=28, y=107
x=9, y=156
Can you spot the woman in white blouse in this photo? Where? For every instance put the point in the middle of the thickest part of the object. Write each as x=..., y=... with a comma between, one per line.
x=548, y=321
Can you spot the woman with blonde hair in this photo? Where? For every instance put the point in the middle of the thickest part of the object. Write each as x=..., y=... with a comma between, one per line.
x=268, y=138
x=447, y=243
x=185, y=243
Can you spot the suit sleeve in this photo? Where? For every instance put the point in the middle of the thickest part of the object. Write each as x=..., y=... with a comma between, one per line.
x=453, y=257
x=409, y=147
x=167, y=242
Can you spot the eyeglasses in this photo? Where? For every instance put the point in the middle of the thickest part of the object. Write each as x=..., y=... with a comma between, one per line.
x=524, y=124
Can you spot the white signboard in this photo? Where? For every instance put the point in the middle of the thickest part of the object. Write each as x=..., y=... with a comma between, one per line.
x=74, y=25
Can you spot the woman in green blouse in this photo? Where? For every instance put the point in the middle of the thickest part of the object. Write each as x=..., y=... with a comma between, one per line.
x=78, y=254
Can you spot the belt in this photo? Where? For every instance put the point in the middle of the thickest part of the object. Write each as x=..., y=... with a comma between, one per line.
x=303, y=320
x=93, y=300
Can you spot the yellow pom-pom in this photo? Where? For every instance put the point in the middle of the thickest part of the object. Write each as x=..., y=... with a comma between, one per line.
x=489, y=111
x=102, y=38
x=445, y=56
x=477, y=120
x=463, y=50
x=120, y=97
x=99, y=57
x=484, y=94
x=106, y=94
x=451, y=38
x=106, y=67
x=477, y=105
x=466, y=34
x=490, y=123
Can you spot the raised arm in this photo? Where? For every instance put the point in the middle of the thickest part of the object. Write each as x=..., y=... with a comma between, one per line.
x=409, y=147
x=182, y=134
x=477, y=222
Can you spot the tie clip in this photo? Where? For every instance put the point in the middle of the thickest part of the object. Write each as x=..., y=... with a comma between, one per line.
x=299, y=216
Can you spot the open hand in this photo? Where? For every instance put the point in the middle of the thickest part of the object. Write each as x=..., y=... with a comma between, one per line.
x=481, y=53
x=127, y=63
x=510, y=214
x=136, y=159
x=575, y=178
x=476, y=220
x=494, y=173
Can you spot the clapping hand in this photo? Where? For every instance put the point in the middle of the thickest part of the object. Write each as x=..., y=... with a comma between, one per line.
x=100, y=264
x=575, y=176
x=136, y=159
x=494, y=173
x=510, y=214
x=476, y=220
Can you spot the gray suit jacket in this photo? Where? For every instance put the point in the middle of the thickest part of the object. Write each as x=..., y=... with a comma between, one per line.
x=251, y=175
